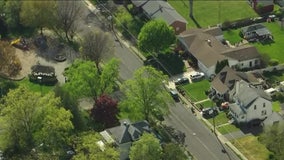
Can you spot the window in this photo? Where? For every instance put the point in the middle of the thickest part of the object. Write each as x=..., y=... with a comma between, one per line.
x=256, y=62
x=250, y=63
x=263, y=113
x=254, y=107
x=263, y=105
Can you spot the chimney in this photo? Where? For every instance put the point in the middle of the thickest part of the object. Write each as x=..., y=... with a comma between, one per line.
x=209, y=42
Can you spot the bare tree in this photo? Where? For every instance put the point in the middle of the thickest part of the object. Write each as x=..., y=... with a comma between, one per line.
x=95, y=45
x=67, y=14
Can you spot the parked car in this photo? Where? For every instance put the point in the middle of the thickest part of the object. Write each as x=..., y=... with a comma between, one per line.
x=174, y=94
x=197, y=76
x=180, y=81
x=210, y=112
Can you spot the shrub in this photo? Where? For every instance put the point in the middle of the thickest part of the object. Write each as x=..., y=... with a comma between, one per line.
x=273, y=62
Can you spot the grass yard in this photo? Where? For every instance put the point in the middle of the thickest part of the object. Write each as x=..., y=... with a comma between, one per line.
x=206, y=104
x=251, y=148
x=232, y=36
x=208, y=13
x=35, y=87
x=219, y=119
x=274, y=77
x=228, y=129
x=273, y=50
x=196, y=90
x=276, y=106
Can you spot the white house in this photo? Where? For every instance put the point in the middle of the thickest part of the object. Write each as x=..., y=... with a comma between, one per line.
x=249, y=103
x=207, y=49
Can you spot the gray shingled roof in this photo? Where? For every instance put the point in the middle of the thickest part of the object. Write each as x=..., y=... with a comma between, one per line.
x=241, y=53
x=247, y=95
x=128, y=132
x=158, y=9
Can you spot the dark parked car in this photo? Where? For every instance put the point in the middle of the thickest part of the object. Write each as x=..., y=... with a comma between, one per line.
x=181, y=81
x=210, y=112
x=174, y=94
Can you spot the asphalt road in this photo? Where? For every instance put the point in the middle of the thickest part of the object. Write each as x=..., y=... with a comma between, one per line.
x=129, y=62
x=200, y=141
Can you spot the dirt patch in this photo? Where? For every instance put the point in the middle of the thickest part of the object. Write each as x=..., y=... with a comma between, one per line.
x=28, y=59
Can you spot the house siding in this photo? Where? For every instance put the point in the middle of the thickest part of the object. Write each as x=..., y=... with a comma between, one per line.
x=207, y=71
x=257, y=113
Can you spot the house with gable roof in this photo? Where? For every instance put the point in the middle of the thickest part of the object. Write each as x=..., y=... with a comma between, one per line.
x=161, y=10
x=207, y=50
x=226, y=79
x=125, y=134
x=249, y=103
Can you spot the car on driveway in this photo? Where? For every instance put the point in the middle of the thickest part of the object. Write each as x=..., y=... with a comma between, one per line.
x=210, y=112
x=180, y=81
x=197, y=76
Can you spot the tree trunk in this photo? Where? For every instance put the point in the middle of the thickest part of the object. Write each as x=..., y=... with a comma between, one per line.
x=67, y=37
x=41, y=33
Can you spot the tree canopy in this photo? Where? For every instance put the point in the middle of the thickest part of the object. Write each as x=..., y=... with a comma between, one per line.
x=156, y=36
x=87, y=147
x=38, y=14
x=273, y=138
x=146, y=148
x=145, y=95
x=105, y=111
x=85, y=81
x=173, y=151
x=28, y=119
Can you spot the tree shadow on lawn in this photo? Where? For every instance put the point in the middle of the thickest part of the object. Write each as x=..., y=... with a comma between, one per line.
x=195, y=22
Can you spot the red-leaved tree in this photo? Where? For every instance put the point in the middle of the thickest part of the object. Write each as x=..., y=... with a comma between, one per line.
x=105, y=111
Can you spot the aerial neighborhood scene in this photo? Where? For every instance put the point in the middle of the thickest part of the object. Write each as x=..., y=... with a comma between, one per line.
x=142, y=80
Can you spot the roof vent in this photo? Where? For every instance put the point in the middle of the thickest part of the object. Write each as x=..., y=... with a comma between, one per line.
x=209, y=42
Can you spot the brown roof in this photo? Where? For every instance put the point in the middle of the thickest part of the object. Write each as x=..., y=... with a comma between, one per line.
x=241, y=53
x=208, y=53
x=227, y=77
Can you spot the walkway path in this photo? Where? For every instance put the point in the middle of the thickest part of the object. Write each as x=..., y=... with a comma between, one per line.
x=204, y=100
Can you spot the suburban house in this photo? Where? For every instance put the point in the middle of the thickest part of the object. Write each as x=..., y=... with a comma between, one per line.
x=124, y=135
x=226, y=79
x=250, y=104
x=262, y=6
x=207, y=50
x=256, y=32
x=161, y=10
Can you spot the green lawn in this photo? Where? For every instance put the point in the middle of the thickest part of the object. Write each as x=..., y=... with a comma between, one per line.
x=227, y=129
x=232, y=36
x=196, y=90
x=35, y=87
x=207, y=104
x=219, y=119
x=273, y=50
x=251, y=148
x=276, y=106
x=209, y=13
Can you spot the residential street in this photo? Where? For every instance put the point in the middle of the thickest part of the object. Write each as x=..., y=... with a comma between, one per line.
x=199, y=140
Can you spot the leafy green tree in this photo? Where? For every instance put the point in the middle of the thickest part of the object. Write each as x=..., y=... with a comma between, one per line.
x=173, y=151
x=85, y=81
x=146, y=148
x=145, y=95
x=28, y=119
x=12, y=8
x=273, y=138
x=221, y=65
x=87, y=147
x=38, y=14
x=71, y=104
x=156, y=36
